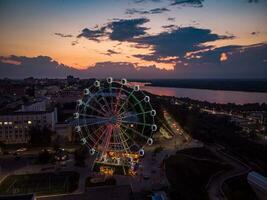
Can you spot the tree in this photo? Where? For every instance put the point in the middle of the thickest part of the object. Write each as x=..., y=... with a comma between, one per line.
x=40, y=137
x=80, y=156
x=44, y=157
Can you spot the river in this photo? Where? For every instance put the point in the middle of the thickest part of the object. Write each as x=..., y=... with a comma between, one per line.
x=218, y=96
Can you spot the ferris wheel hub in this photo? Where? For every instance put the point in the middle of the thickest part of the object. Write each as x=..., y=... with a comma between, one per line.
x=114, y=120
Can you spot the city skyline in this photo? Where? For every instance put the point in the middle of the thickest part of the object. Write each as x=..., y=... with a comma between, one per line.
x=134, y=38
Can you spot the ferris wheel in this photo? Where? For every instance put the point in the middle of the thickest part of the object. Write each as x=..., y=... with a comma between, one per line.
x=114, y=116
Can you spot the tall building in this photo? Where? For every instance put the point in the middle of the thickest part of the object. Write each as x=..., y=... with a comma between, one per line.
x=15, y=126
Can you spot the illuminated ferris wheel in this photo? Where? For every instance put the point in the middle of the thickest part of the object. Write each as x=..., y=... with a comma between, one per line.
x=113, y=116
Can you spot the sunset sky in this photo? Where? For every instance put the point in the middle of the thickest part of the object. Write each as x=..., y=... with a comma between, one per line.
x=175, y=38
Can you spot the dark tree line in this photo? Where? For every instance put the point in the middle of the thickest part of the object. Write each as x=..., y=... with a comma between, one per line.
x=230, y=107
x=218, y=129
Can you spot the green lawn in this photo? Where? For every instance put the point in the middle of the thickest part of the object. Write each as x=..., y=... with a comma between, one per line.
x=41, y=184
x=238, y=188
x=188, y=177
x=200, y=152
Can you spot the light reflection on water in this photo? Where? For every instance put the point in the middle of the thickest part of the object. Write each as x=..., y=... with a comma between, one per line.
x=218, y=96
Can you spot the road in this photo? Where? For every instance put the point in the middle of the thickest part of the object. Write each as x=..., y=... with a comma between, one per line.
x=216, y=182
x=215, y=185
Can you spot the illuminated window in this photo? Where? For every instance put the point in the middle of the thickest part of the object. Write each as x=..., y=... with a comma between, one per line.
x=1, y=123
x=9, y=122
x=5, y=123
x=29, y=122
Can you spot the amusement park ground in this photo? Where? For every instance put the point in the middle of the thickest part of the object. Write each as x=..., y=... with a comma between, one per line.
x=151, y=174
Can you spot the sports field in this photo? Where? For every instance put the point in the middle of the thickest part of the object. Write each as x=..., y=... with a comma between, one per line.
x=41, y=184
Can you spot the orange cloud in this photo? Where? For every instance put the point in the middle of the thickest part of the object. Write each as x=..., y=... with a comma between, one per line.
x=8, y=61
x=223, y=57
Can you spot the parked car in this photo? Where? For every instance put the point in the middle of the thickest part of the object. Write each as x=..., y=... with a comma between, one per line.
x=21, y=149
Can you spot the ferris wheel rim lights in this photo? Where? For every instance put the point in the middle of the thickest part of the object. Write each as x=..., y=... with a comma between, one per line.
x=109, y=80
x=123, y=81
x=120, y=120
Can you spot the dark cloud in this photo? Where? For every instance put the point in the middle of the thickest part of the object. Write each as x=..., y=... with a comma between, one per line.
x=241, y=62
x=63, y=35
x=126, y=29
x=142, y=12
x=171, y=19
x=111, y=52
x=93, y=34
x=255, y=33
x=159, y=10
x=126, y=70
x=73, y=43
x=169, y=26
x=45, y=67
x=253, y=1
x=118, y=29
x=193, y=3
x=142, y=1
x=179, y=41
x=40, y=66
x=213, y=55
x=148, y=57
x=132, y=11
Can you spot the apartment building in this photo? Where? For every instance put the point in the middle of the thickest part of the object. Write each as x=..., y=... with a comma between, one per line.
x=15, y=126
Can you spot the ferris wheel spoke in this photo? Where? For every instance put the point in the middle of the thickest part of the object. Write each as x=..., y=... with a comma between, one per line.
x=105, y=101
x=101, y=107
x=124, y=142
x=98, y=140
x=135, y=131
x=95, y=131
x=94, y=123
x=107, y=138
x=117, y=145
x=119, y=141
x=91, y=136
x=96, y=110
x=106, y=104
x=118, y=98
x=125, y=111
x=138, y=102
x=136, y=114
x=128, y=97
x=93, y=116
x=111, y=96
x=129, y=137
x=133, y=122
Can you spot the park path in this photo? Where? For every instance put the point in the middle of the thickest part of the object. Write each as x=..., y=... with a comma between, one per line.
x=216, y=182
